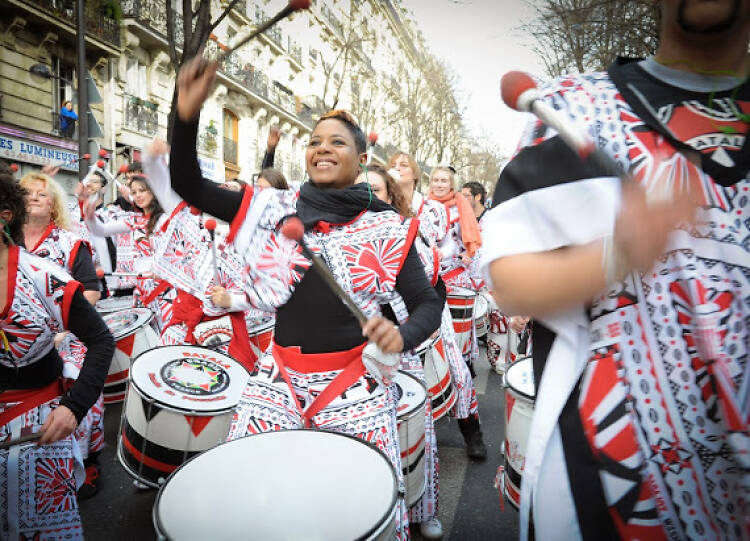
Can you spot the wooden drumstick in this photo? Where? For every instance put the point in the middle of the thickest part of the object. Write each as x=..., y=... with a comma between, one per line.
x=294, y=230
x=18, y=441
x=210, y=226
x=294, y=5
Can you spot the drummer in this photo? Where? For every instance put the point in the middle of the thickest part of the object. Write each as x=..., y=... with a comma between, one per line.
x=314, y=375
x=46, y=235
x=40, y=300
x=424, y=511
x=142, y=227
x=433, y=225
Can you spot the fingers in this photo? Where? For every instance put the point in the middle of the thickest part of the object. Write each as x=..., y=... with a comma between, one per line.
x=60, y=424
x=385, y=334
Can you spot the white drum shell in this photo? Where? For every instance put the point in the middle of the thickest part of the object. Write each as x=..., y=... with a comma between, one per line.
x=438, y=379
x=518, y=422
x=411, y=414
x=481, y=316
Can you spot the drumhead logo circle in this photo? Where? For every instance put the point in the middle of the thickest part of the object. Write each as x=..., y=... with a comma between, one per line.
x=195, y=376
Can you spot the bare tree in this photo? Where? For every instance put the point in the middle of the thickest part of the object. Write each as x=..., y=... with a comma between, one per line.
x=583, y=35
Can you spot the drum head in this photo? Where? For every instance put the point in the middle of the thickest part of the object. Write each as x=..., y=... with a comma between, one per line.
x=462, y=292
x=480, y=309
x=126, y=322
x=189, y=378
x=520, y=377
x=291, y=484
x=114, y=304
x=410, y=394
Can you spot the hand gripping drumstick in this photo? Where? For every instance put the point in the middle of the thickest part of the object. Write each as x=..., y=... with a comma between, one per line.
x=294, y=5
x=519, y=92
x=294, y=230
x=210, y=226
x=18, y=441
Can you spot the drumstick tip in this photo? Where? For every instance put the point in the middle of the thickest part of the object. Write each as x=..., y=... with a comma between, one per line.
x=297, y=5
x=293, y=229
x=100, y=164
x=373, y=138
x=87, y=156
x=14, y=167
x=100, y=273
x=512, y=85
x=210, y=224
x=123, y=169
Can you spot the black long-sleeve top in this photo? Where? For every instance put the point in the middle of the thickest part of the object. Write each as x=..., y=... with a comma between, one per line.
x=85, y=322
x=313, y=318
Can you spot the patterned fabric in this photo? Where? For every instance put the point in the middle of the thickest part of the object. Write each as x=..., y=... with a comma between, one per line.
x=660, y=397
x=59, y=246
x=37, y=484
x=366, y=410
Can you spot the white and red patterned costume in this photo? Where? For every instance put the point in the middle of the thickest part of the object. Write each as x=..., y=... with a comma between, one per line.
x=365, y=257
x=38, y=484
x=61, y=247
x=654, y=368
x=434, y=226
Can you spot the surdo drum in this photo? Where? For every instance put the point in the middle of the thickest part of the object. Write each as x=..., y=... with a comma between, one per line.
x=481, y=316
x=291, y=484
x=260, y=331
x=461, y=304
x=519, y=408
x=133, y=335
x=115, y=304
x=410, y=410
x=437, y=376
x=180, y=402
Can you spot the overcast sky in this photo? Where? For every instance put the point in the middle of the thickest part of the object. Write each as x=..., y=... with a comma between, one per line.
x=480, y=39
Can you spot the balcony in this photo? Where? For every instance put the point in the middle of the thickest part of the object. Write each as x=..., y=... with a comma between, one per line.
x=140, y=115
x=57, y=131
x=152, y=14
x=230, y=150
x=332, y=20
x=98, y=21
x=246, y=75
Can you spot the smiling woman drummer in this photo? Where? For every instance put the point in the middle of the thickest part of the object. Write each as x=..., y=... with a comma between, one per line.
x=314, y=375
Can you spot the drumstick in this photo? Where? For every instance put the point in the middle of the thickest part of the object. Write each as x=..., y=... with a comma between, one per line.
x=372, y=138
x=294, y=5
x=210, y=226
x=18, y=441
x=101, y=274
x=294, y=230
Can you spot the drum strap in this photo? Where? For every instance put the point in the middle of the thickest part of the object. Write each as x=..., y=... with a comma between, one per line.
x=29, y=399
x=454, y=273
x=346, y=378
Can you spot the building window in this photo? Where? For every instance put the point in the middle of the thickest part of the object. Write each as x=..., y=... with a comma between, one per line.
x=63, y=91
x=231, y=135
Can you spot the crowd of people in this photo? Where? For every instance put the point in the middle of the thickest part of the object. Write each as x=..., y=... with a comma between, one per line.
x=631, y=291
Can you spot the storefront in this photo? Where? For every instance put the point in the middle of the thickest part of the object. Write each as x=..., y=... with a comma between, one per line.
x=31, y=151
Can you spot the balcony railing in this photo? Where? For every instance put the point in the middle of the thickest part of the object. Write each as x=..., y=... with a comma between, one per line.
x=153, y=14
x=332, y=20
x=98, y=21
x=246, y=75
x=57, y=129
x=140, y=115
x=230, y=150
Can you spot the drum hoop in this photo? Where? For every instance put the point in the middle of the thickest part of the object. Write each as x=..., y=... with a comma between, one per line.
x=377, y=527
x=428, y=346
x=461, y=292
x=419, y=408
x=512, y=388
x=177, y=409
x=259, y=329
x=121, y=335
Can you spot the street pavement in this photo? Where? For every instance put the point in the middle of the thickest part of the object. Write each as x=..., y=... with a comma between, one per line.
x=469, y=503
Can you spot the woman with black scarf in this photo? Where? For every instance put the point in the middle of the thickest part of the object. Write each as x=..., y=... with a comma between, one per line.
x=365, y=243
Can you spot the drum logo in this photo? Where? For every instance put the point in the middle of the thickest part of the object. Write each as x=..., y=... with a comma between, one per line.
x=195, y=376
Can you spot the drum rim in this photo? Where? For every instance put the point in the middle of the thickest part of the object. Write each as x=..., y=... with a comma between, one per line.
x=477, y=308
x=432, y=341
x=263, y=327
x=384, y=519
x=514, y=389
x=177, y=409
x=121, y=335
x=111, y=300
x=420, y=407
x=459, y=289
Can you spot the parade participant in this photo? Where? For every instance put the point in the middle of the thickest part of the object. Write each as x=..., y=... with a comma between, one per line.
x=38, y=479
x=640, y=300
x=142, y=227
x=46, y=236
x=475, y=194
x=105, y=250
x=68, y=119
x=316, y=361
x=434, y=227
x=272, y=178
x=424, y=511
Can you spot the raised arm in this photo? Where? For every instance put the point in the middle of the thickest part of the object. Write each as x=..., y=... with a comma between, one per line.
x=157, y=173
x=194, y=83
x=100, y=229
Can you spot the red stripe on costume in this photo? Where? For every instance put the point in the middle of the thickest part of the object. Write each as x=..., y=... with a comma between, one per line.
x=13, y=252
x=74, y=253
x=177, y=209
x=239, y=218
x=44, y=236
x=410, y=235
x=29, y=399
x=70, y=291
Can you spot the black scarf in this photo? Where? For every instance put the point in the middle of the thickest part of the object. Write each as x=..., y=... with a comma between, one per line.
x=335, y=205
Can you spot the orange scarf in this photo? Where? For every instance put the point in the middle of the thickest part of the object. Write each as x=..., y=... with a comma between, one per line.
x=470, y=235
